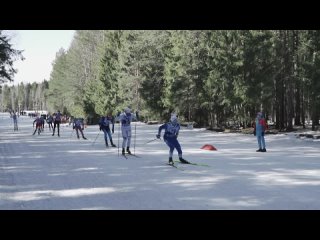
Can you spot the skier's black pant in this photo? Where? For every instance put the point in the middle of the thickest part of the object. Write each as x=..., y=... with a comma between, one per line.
x=56, y=123
x=50, y=125
x=79, y=129
x=37, y=128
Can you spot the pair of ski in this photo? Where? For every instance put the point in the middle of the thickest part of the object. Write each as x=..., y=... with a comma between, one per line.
x=126, y=155
x=190, y=163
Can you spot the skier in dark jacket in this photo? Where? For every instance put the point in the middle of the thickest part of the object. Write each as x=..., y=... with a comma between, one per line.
x=38, y=123
x=170, y=137
x=49, y=121
x=56, y=123
x=78, y=125
x=104, y=124
x=15, y=121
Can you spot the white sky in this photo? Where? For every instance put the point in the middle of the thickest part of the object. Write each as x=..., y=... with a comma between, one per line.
x=40, y=48
x=50, y=172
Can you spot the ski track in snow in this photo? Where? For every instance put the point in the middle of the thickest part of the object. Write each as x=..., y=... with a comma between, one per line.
x=48, y=172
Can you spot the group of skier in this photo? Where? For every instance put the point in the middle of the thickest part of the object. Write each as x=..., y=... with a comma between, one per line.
x=40, y=121
x=170, y=136
x=106, y=124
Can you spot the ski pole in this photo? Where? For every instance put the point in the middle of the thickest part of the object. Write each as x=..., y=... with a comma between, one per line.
x=96, y=138
x=71, y=133
x=118, y=137
x=152, y=140
x=134, y=142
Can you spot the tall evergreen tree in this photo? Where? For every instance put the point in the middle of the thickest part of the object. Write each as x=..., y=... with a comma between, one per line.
x=7, y=56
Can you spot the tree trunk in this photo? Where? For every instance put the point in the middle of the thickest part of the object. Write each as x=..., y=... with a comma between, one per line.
x=297, y=120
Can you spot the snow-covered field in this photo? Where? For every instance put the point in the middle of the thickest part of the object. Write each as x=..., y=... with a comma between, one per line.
x=48, y=172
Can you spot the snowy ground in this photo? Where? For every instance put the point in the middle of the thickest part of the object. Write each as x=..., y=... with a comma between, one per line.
x=48, y=172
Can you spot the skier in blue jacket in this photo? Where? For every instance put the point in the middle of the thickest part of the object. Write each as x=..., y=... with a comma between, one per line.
x=78, y=125
x=170, y=137
x=104, y=124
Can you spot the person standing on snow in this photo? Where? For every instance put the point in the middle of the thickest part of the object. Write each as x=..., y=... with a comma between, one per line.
x=15, y=121
x=104, y=124
x=170, y=137
x=260, y=126
x=126, y=119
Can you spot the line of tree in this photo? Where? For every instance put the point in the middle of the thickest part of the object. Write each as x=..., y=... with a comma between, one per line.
x=24, y=97
x=211, y=77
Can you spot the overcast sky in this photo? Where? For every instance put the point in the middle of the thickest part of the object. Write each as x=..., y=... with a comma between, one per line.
x=40, y=48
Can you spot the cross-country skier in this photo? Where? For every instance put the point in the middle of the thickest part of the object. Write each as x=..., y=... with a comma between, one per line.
x=49, y=121
x=42, y=123
x=126, y=118
x=15, y=121
x=78, y=125
x=104, y=124
x=170, y=137
x=38, y=123
x=57, y=121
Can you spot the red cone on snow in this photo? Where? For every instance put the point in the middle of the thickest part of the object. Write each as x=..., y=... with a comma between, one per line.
x=209, y=147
